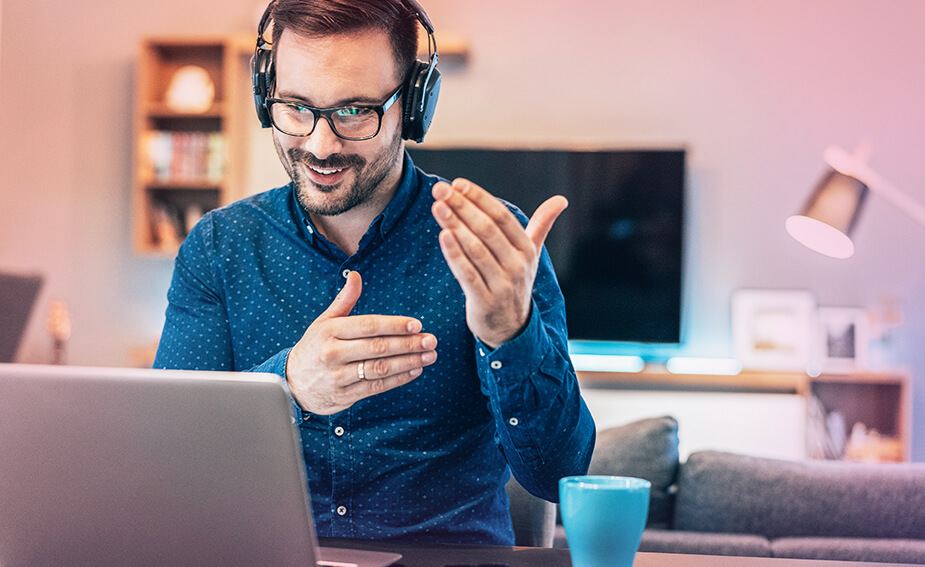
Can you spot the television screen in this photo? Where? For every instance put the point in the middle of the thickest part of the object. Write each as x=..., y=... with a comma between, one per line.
x=617, y=249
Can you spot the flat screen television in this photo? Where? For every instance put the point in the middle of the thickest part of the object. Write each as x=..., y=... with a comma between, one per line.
x=617, y=249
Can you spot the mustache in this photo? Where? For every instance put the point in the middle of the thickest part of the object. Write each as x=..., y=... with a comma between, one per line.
x=333, y=161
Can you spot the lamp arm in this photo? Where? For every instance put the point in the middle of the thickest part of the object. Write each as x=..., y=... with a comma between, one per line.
x=842, y=161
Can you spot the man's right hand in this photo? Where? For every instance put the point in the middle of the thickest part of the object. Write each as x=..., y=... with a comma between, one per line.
x=323, y=369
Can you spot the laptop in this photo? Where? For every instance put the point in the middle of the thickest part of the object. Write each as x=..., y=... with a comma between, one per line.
x=17, y=296
x=110, y=466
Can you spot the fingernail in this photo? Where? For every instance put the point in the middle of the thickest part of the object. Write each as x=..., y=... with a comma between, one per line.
x=416, y=372
x=414, y=326
x=429, y=342
x=429, y=357
x=441, y=191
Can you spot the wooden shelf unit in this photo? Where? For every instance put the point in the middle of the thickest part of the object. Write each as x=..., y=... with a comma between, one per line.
x=168, y=197
x=880, y=400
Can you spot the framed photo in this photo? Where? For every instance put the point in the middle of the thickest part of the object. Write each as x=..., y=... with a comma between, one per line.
x=843, y=336
x=774, y=329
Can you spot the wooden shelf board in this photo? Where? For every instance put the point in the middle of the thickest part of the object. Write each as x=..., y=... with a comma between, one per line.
x=243, y=44
x=663, y=380
x=177, y=41
x=161, y=110
x=783, y=382
x=180, y=185
x=154, y=252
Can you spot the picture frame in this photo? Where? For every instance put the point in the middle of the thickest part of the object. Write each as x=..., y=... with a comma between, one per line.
x=842, y=339
x=774, y=330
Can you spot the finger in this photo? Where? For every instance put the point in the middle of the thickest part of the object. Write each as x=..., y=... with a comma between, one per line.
x=346, y=299
x=382, y=368
x=496, y=210
x=493, y=274
x=361, y=326
x=367, y=388
x=543, y=218
x=385, y=346
x=465, y=273
x=480, y=224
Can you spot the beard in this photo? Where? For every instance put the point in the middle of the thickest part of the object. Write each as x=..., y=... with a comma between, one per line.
x=330, y=200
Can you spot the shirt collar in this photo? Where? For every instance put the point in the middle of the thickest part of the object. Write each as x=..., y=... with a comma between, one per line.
x=387, y=219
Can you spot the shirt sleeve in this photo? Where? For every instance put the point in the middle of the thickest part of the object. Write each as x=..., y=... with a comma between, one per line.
x=197, y=332
x=543, y=427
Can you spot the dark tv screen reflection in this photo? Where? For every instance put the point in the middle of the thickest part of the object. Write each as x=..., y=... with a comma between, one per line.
x=617, y=249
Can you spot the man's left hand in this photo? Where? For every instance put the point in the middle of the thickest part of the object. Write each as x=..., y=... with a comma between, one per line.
x=492, y=256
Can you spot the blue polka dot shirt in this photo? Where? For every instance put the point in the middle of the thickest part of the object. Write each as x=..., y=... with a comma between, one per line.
x=427, y=461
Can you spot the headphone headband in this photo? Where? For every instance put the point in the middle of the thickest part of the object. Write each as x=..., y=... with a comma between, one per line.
x=422, y=17
x=420, y=92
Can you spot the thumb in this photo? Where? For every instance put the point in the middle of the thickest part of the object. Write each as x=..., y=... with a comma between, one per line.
x=545, y=215
x=347, y=298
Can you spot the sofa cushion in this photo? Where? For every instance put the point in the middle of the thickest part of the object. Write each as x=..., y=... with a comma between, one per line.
x=853, y=549
x=722, y=492
x=672, y=541
x=647, y=449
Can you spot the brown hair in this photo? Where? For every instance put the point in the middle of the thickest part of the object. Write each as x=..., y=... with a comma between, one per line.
x=318, y=18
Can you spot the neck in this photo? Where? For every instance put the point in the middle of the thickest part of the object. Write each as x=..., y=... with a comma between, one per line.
x=346, y=229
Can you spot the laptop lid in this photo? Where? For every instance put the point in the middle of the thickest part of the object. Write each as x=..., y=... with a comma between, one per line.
x=149, y=467
x=17, y=296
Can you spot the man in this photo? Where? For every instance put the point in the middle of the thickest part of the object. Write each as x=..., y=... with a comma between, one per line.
x=397, y=443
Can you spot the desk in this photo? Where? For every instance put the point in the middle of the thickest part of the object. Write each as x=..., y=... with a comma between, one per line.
x=434, y=555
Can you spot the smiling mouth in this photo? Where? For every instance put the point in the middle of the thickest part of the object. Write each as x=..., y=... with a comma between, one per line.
x=326, y=171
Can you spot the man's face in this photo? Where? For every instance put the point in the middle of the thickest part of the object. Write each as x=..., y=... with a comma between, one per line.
x=333, y=71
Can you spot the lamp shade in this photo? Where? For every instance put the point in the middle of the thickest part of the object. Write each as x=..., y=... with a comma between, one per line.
x=829, y=215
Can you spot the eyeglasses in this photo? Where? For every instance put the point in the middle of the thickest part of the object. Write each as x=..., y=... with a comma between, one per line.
x=354, y=122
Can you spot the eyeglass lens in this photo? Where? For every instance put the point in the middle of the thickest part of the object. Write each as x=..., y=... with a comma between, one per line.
x=347, y=121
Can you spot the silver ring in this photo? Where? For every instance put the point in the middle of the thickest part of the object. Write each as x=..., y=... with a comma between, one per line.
x=361, y=372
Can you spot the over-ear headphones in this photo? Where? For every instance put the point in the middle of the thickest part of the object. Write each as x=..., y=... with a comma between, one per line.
x=419, y=93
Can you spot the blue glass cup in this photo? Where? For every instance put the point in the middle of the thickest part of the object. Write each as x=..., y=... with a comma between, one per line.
x=604, y=517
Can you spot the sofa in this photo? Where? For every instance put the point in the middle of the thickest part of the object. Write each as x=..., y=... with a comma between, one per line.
x=720, y=503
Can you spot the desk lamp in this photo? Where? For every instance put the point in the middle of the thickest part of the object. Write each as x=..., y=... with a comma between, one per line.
x=832, y=210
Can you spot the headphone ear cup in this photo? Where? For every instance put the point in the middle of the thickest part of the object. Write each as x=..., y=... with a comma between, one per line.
x=430, y=94
x=262, y=78
x=410, y=100
x=420, y=101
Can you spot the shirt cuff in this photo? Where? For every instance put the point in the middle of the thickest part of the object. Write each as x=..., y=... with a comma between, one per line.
x=520, y=356
x=276, y=364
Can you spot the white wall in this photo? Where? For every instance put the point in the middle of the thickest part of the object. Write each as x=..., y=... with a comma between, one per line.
x=755, y=90
x=763, y=425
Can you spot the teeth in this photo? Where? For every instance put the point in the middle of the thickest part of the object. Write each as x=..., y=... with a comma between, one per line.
x=326, y=171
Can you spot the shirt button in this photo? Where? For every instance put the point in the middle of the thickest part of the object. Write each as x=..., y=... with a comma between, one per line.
x=345, y=273
x=495, y=364
x=310, y=229
x=481, y=352
x=339, y=431
x=513, y=421
x=341, y=510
